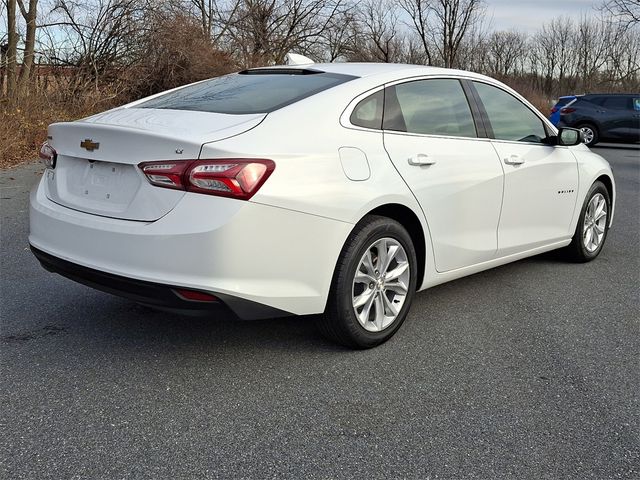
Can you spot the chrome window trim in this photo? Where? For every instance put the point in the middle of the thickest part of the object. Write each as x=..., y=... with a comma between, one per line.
x=346, y=114
x=345, y=117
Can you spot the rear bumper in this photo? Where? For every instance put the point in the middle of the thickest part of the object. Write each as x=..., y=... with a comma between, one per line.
x=156, y=295
x=242, y=252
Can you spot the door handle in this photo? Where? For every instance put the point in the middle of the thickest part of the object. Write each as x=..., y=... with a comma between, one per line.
x=421, y=159
x=514, y=160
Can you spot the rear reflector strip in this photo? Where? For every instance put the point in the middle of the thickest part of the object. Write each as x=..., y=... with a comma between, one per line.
x=195, y=296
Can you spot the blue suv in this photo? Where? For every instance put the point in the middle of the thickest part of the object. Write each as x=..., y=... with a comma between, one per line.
x=600, y=117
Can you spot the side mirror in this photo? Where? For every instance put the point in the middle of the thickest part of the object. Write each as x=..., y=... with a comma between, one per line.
x=569, y=137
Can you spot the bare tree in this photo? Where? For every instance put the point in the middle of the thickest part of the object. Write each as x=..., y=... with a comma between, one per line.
x=338, y=38
x=101, y=35
x=173, y=52
x=504, y=52
x=215, y=16
x=378, y=39
x=592, y=41
x=442, y=26
x=264, y=31
x=627, y=11
x=419, y=11
x=621, y=67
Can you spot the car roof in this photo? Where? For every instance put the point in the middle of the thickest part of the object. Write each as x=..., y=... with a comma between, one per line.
x=610, y=95
x=363, y=70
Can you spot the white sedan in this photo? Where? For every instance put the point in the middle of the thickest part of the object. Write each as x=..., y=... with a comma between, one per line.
x=333, y=189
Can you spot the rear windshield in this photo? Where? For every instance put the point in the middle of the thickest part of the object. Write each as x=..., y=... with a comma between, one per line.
x=250, y=92
x=564, y=100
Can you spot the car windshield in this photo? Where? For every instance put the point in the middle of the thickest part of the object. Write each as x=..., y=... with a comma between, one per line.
x=252, y=91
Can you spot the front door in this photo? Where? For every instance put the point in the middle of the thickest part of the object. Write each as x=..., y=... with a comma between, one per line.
x=540, y=182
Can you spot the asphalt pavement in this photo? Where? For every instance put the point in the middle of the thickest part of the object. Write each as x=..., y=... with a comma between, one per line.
x=527, y=371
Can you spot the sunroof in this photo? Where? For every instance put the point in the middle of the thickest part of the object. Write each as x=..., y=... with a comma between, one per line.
x=280, y=71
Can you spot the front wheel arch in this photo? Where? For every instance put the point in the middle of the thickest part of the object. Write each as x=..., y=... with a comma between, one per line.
x=608, y=183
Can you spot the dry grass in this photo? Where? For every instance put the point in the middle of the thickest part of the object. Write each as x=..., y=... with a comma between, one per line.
x=23, y=129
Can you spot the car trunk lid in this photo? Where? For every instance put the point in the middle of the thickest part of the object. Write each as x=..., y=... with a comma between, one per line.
x=96, y=170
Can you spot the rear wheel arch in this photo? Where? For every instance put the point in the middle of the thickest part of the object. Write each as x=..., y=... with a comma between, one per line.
x=410, y=221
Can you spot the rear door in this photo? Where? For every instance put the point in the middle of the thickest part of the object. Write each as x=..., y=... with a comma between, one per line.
x=432, y=140
x=540, y=182
x=618, y=119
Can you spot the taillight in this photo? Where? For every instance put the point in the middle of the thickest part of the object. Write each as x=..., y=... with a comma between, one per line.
x=48, y=155
x=165, y=174
x=566, y=110
x=554, y=109
x=237, y=178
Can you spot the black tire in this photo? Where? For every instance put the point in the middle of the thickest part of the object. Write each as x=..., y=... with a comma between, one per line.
x=339, y=322
x=596, y=135
x=577, y=251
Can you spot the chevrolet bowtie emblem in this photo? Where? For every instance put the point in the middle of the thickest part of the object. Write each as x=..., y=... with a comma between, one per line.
x=89, y=144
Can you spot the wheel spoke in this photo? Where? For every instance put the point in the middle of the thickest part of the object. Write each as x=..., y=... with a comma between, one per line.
x=363, y=298
x=368, y=262
x=362, y=277
x=396, y=272
x=379, y=315
x=594, y=240
x=397, y=287
x=389, y=305
x=600, y=214
x=391, y=254
x=599, y=208
x=363, y=316
x=382, y=254
x=598, y=228
x=588, y=234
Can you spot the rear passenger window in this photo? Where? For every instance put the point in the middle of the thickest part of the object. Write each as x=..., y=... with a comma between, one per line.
x=596, y=100
x=432, y=107
x=368, y=112
x=617, y=103
x=509, y=117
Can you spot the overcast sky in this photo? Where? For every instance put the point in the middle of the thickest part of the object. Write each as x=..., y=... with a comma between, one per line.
x=524, y=15
x=529, y=15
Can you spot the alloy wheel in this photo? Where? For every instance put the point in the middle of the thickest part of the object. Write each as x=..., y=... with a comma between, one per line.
x=595, y=221
x=588, y=134
x=381, y=284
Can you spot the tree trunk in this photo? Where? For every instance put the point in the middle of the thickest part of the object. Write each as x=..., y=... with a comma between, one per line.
x=24, y=82
x=3, y=67
x=12, y=50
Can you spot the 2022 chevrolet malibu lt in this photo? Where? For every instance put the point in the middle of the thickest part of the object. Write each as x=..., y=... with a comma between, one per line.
x=333, y=189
